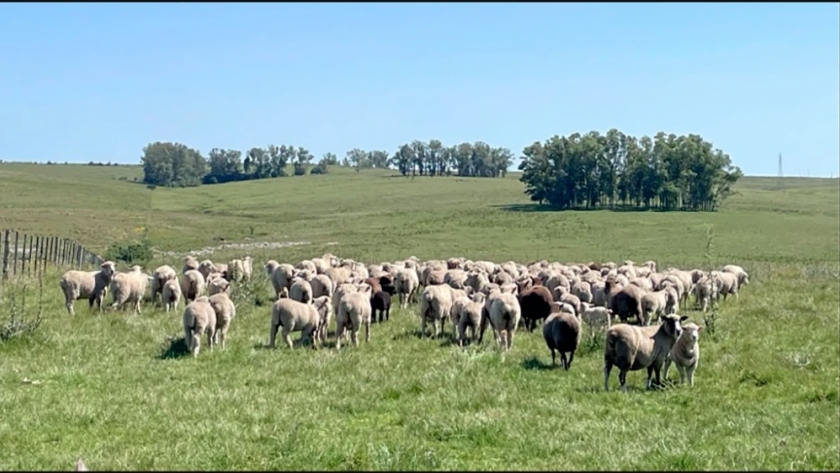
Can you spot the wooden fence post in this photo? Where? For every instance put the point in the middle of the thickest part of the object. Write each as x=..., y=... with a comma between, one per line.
x=23, y=256
x=37, y=253
x=14, y=262
x=79, y=256
x=50, y=250
x=6, y=254
x=29, y=257
x=63, y=251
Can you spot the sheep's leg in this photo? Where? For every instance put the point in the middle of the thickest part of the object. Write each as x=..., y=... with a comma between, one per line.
x=564, y=361
x=553, y=358
x=571, y=358
x=440, y=332
x=649, y=376
x=367, y=331
x=211, y=335
x=222, y=335
x=622, y=379
x=354, y=336
x=339, y=332
x=272, y=336
x=286, y=337
x=607, y=368
x=195, y=342
x=510, y=333
x=422, y=326
x=682, y=373
x=690, y=374
x=666, y=368
x=388, y=314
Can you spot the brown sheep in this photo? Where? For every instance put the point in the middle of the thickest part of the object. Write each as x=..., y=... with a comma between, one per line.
x=627, y=302
x=535, y=303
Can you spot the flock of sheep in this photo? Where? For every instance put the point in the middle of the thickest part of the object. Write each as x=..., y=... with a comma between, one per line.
x=472, y=295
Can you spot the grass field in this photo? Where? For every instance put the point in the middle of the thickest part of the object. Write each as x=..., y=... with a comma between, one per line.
x=115, y=390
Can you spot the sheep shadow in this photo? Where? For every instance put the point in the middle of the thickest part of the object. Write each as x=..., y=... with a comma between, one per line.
x=534, y=363
x=173, y=348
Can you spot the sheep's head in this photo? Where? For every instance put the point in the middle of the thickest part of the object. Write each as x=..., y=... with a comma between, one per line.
x=672, y=324
x=108, y=268
x=691, y=332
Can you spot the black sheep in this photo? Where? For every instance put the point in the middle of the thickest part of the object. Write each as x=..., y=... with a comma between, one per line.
x=381, y=301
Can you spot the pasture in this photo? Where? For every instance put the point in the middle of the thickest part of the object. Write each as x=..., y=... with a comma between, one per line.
x=115, y=388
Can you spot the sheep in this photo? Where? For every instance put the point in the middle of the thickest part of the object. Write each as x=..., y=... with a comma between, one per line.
x=435, y=305
x=90, y=285
x=381, y=303
x=632, y=348
x=240, y=269
x=171, y=294
x=469, y=317
x=160, y=275
x=192, y=285
x=504, y=316
x=353, y=311
x=199, y=317
x=207, y=267
x=705, y=290
x=281, y=276
x=685, y=353
x=321, y=286
x=189, y=263
x=294, y=316
x=340, y=291
x=583, y=291
x=596, y=317
x=301, y=291
x=217, y=285
x=656, y=303
x=406, y=284
x=225, y=310
x=535, y=303
x=627, y=301
x=743, y=277
x=727, y=283
x=323, y=304
x=561, y=332
x=129, y=287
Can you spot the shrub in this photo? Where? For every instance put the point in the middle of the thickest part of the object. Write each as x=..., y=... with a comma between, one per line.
x=138, y=252
x=15, y=320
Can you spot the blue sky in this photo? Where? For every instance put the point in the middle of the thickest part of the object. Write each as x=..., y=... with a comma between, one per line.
x=99, y=81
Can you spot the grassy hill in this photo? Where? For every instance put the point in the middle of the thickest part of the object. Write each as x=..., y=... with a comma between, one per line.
x=114, y=390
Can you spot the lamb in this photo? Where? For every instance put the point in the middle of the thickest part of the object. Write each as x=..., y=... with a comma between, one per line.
x=505, y=313
x=129, y=287
x=323, y=304
x=535, y=304
x=655, y=303
x=406, y=284
x=353, y=311
x=381, y=303
x=199, y=317
x=561, y=332
x=171, y=294
x=596, y=317
x=160, y=275
x=294, y=316
x=469, y=317
x=632, y=348
x=192, y=285
x=685, y=353
x=435, y=305
x=90, y=285
x=225, y=310
x=301, y=291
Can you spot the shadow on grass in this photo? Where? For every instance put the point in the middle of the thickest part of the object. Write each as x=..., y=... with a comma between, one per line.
x=534, y=363
x=530, y=208
x=174, y=347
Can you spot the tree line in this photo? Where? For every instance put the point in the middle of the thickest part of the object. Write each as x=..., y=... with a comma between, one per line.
x=666, y=172
x=175, y=164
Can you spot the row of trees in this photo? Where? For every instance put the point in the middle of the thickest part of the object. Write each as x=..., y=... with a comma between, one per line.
x=593, y=170
x=175, y=164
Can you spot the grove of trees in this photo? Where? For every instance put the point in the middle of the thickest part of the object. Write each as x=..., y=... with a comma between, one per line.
x=594, y=171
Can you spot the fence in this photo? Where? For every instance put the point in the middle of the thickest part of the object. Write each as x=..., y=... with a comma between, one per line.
x=27, y=255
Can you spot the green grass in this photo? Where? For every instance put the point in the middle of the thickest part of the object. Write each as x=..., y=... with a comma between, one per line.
x=113, y=391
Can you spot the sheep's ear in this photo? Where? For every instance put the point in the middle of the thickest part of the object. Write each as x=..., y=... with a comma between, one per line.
x=699, y=328
x=683, y=318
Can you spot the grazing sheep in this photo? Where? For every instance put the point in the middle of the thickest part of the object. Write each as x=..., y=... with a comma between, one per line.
x=685, y=353
x=189, y=263
x=469, y=317
x=129, y=287
x=632, y=348
x=225, y=311
x=561, y=332
x=504, y=316
x=535, y=303
x=301, y=291
x=381, y=303
x=171, y=294
x=655, y=303
x=160, y=275
x=406, y=284
x=90, y=285
x=353, y=311
x=294, y=316
x=199, y=317
x=192, y=285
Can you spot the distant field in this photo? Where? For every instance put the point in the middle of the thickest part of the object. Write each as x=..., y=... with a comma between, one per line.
x=114, y=393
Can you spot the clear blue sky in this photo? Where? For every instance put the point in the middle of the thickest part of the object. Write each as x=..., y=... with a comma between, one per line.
x=99, y=81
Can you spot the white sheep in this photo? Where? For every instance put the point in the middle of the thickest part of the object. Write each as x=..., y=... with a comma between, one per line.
x=217, y=285
x=435, y=306
x=354, y=310
x=743, y=277
x=685, y=353
x=129, y=287
x=301, y=291
x=505, y=313
x=190, y=262
x=469, y=317
x=199, y=317
x=160, y=275
x=90, y=285
x=632, y=348
x=225, y=311
x=171, y=294
x=294, y=316
x=192, y=285
x=323, y=304
x=406, y=284
x=659, y=302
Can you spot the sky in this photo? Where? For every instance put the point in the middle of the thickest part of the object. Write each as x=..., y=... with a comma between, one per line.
x=97, y=82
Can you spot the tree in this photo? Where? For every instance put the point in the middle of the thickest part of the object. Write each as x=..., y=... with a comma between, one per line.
x=302, y=158
x=278, y=159
x=225, y=166
x=260, y=163
x=378, y=159
x=172, y=164
x=330, y=159
x=357, y=158
x=320, y=168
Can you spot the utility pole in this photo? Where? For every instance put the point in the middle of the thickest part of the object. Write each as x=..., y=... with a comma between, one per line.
x=781, y=184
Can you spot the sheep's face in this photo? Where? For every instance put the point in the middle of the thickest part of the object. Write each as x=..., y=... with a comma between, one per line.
x=691, y=332
x=673, y=324
x=108, y=268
